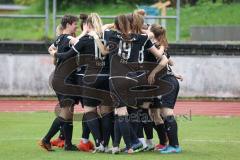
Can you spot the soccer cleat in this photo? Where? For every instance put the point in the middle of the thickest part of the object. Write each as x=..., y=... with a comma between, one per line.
x=70, y=148
x=107, y=150
x=130, y=151
x=137, y=147
x=99, y=149
x=61, y=144
x=171, y=149
x=46, y=146
x=150, y=147
x=58, y=142
x=91, y=145
x=160, y=147
x=115, y=150
x=145, y=148
x=86, y=147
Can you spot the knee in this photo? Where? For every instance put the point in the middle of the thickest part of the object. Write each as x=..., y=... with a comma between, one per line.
x=122, y=111
x=145, y=105
x=167, y=112
x=66, y=113
x=156, y=117
x=105, y=110
x=91, y=115
x=90, y=109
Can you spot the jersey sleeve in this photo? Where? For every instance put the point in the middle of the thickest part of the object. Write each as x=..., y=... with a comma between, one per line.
x=148, y=44
x=107, y=34
x=69, y=39
x=79, y=45
x=57, y=41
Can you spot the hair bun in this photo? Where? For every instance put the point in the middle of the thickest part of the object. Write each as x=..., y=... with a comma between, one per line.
x=83, y=16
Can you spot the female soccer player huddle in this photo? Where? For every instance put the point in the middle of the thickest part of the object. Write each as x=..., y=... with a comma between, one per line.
x=118, y=50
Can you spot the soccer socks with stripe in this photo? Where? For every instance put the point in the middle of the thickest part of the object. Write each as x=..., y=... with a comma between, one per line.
x=85, y=129
x=68, y=131
x=61, y=135
x=94, y=126
x=55, y=127
x=125, y=130
x=107, y=127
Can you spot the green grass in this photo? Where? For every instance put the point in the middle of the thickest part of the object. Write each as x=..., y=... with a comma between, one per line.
x=208, y=14
x=30, y=29
x=212, y=138
x=204, y=14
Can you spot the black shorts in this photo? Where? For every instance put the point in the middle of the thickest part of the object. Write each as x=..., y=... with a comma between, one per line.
x=64, y=99
x=67, y=100
x=102, y=83
x=169, y=99
x=121, y=87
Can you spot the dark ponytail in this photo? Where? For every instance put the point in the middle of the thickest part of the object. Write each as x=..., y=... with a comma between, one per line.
x=123, y=25
x=83, y=19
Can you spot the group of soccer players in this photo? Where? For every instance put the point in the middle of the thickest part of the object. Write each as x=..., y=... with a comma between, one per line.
x=120, y=51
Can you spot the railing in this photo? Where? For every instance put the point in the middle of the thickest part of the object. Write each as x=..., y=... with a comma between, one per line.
x=176, y=17
x=55, y=16
x=45, y=16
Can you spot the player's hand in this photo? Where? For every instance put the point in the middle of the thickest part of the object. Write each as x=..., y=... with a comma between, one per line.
x=151, y=78
x=180, y=77
x=149, y=33
x=53, y=52
x=93, y=34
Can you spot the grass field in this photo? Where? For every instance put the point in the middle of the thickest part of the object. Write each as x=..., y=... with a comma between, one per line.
x=212, y=138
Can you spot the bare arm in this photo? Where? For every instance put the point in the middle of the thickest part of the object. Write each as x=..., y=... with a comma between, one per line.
x=73, y=40
x=157, y=52
x=170, y=62
x=158, y=68
x=107, y=26
x=149, y=33
x=65, y=55
x=163, y=62
x=158, y=55
x=178, y=76
x=52, y=50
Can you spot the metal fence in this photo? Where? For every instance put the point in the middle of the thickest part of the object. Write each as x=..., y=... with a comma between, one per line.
x=45, y=16
x=176, y=17
x=55, y=16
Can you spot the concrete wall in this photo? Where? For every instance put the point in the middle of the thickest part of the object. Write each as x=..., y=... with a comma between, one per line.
x=25, y=74
x=215, y=33
x=217, y=76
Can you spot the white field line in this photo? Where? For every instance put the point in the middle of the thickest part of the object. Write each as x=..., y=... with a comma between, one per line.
x=211, y=141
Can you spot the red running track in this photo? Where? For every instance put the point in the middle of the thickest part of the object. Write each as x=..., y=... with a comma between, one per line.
x=210, y=108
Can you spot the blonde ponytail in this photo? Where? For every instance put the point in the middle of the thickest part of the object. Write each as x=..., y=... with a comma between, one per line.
x=95, y=21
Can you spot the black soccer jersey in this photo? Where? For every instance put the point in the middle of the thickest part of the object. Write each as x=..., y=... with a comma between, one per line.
x=62, y=44
x=87, y=45
x=131, y=50
x=149, y=57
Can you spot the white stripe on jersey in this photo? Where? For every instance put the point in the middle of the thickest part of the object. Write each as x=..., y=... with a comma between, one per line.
x=75, y=49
